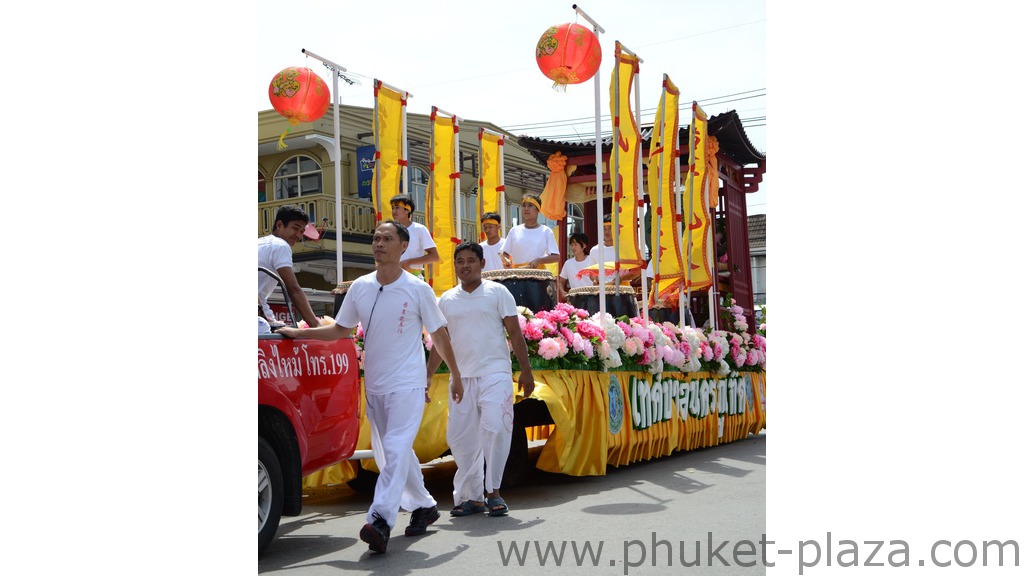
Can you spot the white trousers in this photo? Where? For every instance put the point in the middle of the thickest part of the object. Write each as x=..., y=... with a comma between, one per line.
x=479, y=432
x=394, y=421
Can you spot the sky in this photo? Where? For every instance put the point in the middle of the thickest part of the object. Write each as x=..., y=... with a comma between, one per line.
x=476, y=60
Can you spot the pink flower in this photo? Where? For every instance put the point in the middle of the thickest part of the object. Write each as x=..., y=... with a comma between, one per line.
x=577, y=342
x=632, y=346
x=740, y=358
x=685, y=350
x=625, y=329
x=522, y=322
x=532, y=332
x=582, y=314
x=566, y=333
x=588, y=349
x=590, y=330
x=569, y=309
x=548, y=348
x=759, y=341
x=717, y=352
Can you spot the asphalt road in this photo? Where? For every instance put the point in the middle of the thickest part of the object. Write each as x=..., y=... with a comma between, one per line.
x=645, y=518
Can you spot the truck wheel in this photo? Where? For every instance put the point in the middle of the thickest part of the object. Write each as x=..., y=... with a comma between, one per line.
x=518, y=459
x=271, y=494
x=365, y=480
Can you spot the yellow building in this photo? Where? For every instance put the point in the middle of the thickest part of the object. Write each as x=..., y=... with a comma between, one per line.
x=303, y=174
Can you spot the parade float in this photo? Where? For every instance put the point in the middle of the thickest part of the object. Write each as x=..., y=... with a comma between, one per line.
x=683, y=365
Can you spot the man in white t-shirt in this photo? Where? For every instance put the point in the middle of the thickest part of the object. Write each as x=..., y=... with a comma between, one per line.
x=479, y=312
x=275, y=252
x=422, y=249
x=491, y=223
x=567, y=276
x=530, y=244
x=394, y=309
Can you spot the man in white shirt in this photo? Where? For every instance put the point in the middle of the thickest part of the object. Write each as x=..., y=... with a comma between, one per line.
x=491, y=223
x=422, y=249
x=567, y=277
x=530, y=244
x=394, y=308
x=275, y=252
x=479, y=312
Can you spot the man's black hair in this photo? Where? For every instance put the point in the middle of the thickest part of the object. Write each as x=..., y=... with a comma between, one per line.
x=403, y=232
x=288, y=213
x=472, y=246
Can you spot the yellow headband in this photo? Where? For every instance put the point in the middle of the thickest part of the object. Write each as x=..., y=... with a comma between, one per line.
x=607, y=224
x=401, y=204
x=531, y=201
x=490, y=221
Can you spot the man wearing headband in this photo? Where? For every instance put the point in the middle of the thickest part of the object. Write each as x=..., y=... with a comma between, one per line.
x=422, y=249
x=491, y=223
x=530, y=244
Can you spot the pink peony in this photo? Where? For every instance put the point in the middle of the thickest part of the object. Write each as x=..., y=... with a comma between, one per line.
x=717, y=351
x=548, y=348
x=632, y=346
x=590, y=330
x=625, y=329
x=566, y=333
x=588, y=349
x=577, y=342
x=532, y=332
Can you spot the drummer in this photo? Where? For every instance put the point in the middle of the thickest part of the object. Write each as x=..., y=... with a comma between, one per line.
x=567, y=279
x=530, y=245
x=609, y=257
x=421, y=249
x=491, y=223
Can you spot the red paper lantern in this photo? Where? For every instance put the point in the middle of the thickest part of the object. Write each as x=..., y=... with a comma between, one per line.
x=568, y=54
x=299, y=95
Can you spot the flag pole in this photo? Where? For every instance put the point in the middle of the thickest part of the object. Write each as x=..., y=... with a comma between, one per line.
x=335, y=70
x=597, y=162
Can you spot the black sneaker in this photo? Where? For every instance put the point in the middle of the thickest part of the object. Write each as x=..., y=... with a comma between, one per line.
x=421, y=518
x=376, y=534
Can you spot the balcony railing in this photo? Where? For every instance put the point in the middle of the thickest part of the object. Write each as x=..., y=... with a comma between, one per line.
x=356, y=215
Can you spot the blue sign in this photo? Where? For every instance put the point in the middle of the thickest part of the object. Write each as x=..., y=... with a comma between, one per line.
x=364, y=170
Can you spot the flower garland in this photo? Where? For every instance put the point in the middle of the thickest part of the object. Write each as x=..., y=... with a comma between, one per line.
x=569, y=338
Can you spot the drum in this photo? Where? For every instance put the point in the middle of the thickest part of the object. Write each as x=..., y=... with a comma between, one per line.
x=662, y=313
x=339, y=296
x=534, y=289
x=589, y=299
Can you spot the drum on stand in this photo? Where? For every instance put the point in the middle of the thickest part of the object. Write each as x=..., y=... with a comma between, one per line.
x=534, y=289
x=589, y=299
x=661, y=312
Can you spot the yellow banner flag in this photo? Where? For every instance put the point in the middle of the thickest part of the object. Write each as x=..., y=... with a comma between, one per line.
x=441, y=194
x=697, y=232
x=625, y=154
x=492, y=179
x=389, y=139
x=669, y=265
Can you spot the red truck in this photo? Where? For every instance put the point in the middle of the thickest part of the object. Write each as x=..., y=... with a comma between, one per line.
x=308, y=418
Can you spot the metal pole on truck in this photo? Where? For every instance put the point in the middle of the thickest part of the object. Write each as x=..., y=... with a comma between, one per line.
x=335, y=70
x=597, y=161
